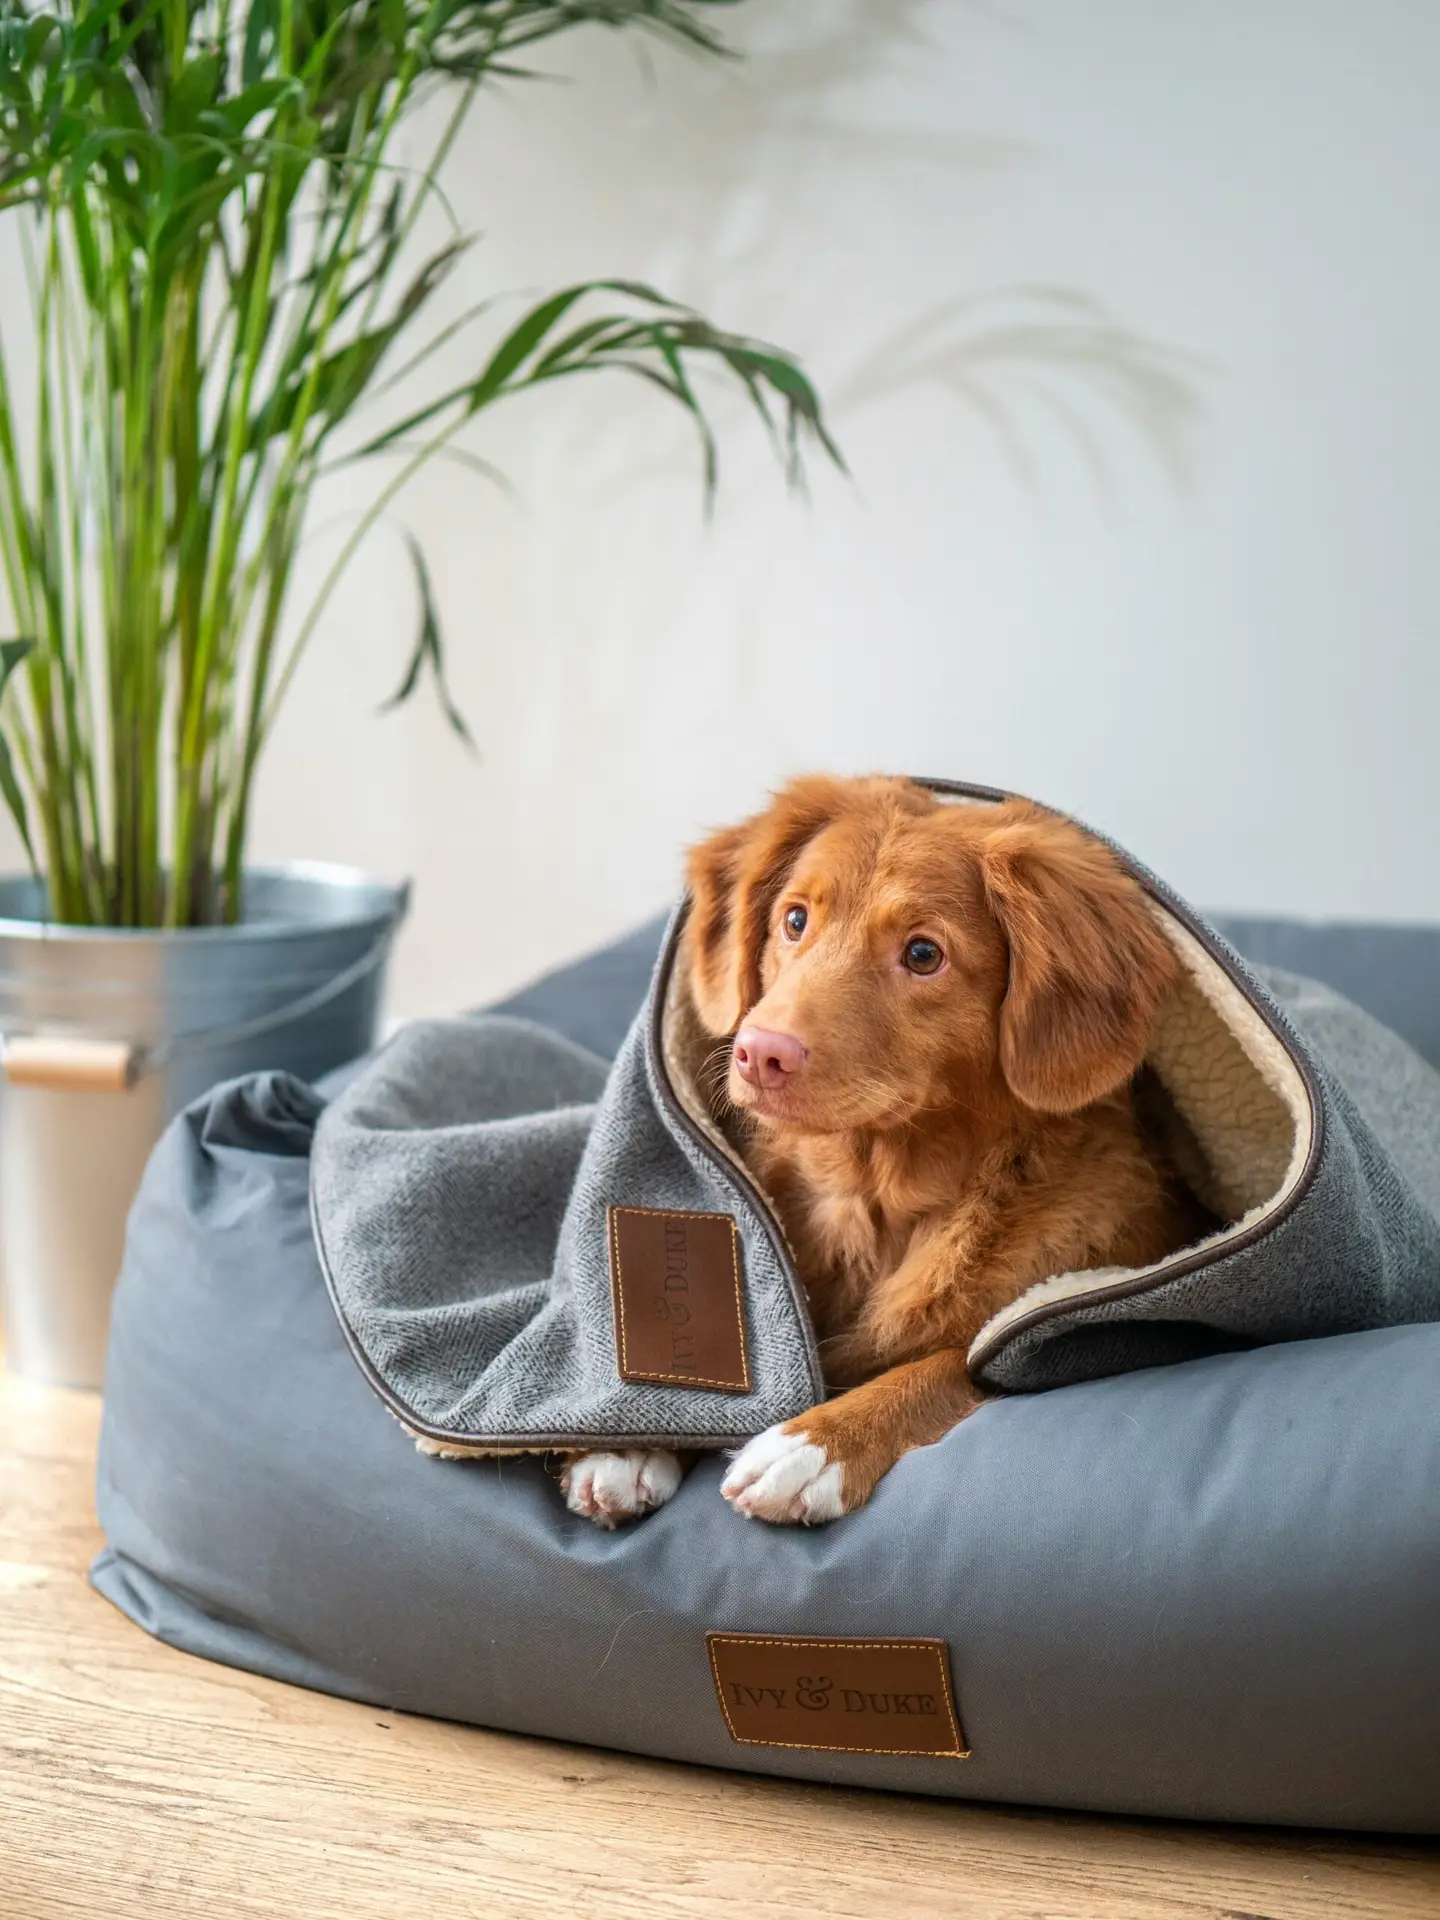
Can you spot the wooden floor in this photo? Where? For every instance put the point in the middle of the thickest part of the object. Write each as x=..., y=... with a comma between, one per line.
x=135, y=1781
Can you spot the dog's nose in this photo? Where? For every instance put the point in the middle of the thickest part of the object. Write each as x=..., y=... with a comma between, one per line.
x=766, y=1059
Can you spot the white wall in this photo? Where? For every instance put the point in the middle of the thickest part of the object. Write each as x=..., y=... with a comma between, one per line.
x=1237, y=673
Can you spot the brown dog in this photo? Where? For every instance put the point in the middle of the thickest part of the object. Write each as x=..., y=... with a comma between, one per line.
x=937, y=1013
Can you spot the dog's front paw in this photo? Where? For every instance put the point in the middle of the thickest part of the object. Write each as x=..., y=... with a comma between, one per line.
x=609, y=1488
x=785, y=1477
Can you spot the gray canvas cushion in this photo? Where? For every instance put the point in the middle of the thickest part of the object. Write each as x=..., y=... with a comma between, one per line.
x=1392, y=971
x=1208, y=1590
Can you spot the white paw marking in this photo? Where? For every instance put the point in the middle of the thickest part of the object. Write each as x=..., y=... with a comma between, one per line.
x=786, y=1478
x=610, y=1487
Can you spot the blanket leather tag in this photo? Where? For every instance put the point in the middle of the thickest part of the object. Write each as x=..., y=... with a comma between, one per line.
x=844, y=1696
x=679, y=1307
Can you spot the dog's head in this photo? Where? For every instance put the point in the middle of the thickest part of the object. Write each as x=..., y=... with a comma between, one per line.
x=878, y=955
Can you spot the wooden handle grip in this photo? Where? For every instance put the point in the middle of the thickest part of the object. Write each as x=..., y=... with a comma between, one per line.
x=68, y=1065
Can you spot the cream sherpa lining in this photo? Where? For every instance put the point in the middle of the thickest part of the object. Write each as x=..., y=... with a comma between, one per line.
x=1245, y=1121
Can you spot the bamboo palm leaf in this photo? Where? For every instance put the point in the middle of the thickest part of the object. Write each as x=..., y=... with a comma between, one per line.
x=12, y=652
x=223, y=276
x=428, y=651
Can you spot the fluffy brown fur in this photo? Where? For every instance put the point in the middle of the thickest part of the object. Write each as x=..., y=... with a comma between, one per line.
x=951, y=1137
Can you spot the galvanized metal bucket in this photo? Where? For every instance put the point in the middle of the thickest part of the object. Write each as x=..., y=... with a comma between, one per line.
x=108, y=1033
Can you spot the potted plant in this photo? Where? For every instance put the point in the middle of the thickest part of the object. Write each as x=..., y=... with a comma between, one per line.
x=219, y=271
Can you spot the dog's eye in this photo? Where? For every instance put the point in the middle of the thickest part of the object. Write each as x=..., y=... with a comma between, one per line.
x=922, y=956
x=795, y=921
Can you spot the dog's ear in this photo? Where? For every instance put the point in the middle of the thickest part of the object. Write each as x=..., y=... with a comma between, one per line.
x=735, y=878
x=1088, y=965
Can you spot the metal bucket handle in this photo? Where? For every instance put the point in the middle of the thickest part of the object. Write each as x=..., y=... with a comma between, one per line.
x=82, y=1065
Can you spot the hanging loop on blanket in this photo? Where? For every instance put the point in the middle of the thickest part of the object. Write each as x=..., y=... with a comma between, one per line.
x=75, y=1063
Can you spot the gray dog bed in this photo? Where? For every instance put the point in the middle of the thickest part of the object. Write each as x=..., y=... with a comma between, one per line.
x=1207, y=1589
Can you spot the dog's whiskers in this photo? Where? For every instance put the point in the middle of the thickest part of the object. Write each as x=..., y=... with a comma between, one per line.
x=716, y=1063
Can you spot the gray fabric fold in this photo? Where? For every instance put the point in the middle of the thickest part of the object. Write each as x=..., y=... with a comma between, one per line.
x=1358, y=1248
x=460, y=1190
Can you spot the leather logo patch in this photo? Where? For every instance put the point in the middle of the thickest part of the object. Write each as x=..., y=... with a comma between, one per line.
x=844, y=1696
x=679, y=1306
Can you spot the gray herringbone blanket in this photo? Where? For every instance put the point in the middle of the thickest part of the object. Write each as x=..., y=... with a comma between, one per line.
x=528, y=1249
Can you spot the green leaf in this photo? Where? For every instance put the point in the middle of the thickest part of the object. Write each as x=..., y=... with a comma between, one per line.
x=259, y=28
x=520, y=342
x=15, y=800
x=231, y=117
x=345, y=374
x=38, y=36
x=194, y=90
x=93, y=21
x=12, y=652
x=661, y=348
x=395, y=21
x=428, y=651
x=609, y=332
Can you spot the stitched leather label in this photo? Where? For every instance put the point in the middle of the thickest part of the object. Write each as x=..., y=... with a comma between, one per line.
x=843, y=1696
x=679, y=1306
